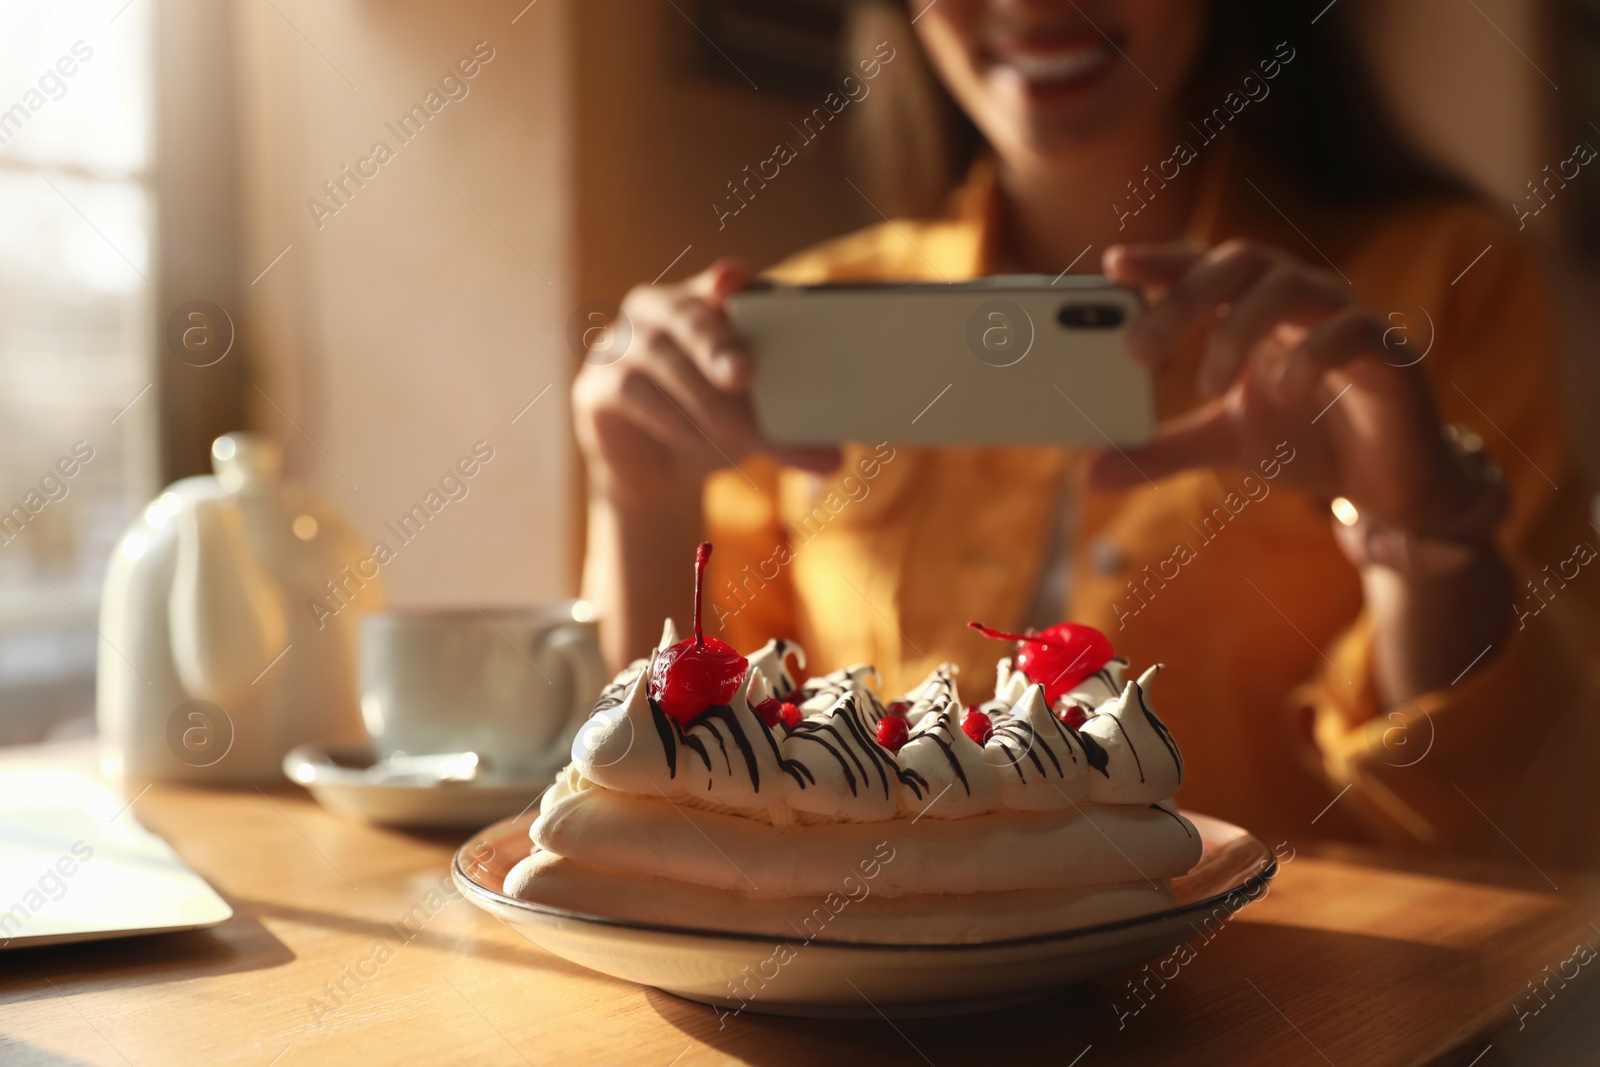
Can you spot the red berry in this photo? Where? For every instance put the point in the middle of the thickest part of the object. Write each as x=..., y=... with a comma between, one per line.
x=892, y=732
x=697, y=672
x=1058, y=657
x=770, y=711
x=1075, y=716
x=977, y=726
x=790, y=714
x=898, y=707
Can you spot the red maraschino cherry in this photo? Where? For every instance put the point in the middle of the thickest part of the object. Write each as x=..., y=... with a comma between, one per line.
x=773, y=711
x=977, y=725
x=698, y=672
x=1074, y=716
x=1058, y=657
x=892, y=732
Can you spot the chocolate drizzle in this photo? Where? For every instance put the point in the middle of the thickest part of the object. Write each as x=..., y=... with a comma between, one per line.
x=809, y=731
x=881, y=759
x=616, y=690
x=1137, y=762
x=722, y=713
x=844, y=735
x=1031, y=741
x=1173, y=817
x=911, y=780
x=949, y=754
x=784, y=682
x=799, y=772
x=1104, y=674
x=1098, y=758
x=851, y=713
x=822, y=693
x=1067, y=734
x=1159, y=727
x=687, y=740
x=942, y=723
x=668, y=732
x=841, y=715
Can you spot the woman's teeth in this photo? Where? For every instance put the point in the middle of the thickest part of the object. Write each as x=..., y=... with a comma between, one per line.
x=1037, y=67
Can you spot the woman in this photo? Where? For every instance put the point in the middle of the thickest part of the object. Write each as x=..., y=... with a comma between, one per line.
x=1321, y=335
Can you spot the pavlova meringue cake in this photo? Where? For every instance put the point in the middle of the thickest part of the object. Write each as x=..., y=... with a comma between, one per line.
x=711, y=791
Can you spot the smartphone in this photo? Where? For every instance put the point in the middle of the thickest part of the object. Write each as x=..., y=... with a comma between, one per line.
x=1017, y=359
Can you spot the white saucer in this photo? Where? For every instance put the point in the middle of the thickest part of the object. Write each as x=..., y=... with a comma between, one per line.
x=836, y=979
x=342, y=779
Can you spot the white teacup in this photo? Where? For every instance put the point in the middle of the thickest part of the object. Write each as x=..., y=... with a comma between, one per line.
x=513, y=686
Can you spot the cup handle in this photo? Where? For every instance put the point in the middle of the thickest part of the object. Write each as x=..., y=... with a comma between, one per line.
x=577, y=645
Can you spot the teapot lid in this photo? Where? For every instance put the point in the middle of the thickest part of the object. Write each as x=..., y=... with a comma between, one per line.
x=246, y=459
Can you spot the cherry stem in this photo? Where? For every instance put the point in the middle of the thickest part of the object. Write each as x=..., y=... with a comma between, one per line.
x=1000, y=635
x=701, y=556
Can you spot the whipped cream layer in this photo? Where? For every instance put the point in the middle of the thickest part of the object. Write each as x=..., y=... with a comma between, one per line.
x=854, y=909
x=1093, y=845
x=831, y=768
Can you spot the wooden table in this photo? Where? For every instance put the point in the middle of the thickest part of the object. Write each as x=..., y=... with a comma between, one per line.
x=1353, y=958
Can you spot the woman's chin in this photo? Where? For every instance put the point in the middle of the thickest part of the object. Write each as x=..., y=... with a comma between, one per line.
x=1054, y=135
x=1053, y=120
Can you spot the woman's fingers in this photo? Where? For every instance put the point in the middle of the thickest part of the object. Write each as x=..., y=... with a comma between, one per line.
x=1343, y=337
x=692, y=313
x=1148, y=266
x=730, y=363
x=641, y=400
x=1203, y=438
x=698, y=328
x=723, y=417
x=721, y=280
x=1287, y=294
x=669, y=400
x=1212, y=281
x=817, y=459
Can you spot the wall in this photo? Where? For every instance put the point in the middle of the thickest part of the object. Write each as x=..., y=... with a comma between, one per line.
x=408, y=325
x=427, y=312
x=197, y=185
x=657, y=141
x=1463, y=81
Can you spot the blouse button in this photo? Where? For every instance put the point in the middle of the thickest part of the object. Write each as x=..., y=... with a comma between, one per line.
x=1106, y=558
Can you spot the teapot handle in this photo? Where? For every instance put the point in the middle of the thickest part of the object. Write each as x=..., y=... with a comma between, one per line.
x=225, y=614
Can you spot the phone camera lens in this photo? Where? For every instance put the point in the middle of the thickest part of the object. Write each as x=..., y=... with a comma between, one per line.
x=1091, y=316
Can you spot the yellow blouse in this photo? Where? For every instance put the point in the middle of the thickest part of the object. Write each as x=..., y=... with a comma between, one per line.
x=1234, y=583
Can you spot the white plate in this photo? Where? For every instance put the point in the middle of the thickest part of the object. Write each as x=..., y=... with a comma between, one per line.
x=848, y=980
x=337, y=777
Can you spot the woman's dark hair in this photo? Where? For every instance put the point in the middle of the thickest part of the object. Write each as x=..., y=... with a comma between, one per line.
x=1326, y=130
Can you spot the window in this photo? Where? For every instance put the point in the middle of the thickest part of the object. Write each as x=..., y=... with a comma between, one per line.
x=77, y=402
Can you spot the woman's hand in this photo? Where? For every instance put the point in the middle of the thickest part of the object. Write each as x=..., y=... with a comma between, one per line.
x=1281, y=341
x=1288, y=355
x=652, y=423
x=675, y=406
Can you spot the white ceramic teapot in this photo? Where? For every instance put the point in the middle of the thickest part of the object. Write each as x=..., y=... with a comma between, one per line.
x=213, y=662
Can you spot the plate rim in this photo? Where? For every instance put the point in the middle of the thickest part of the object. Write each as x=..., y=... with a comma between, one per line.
x=483, y=895
x=329, y=775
